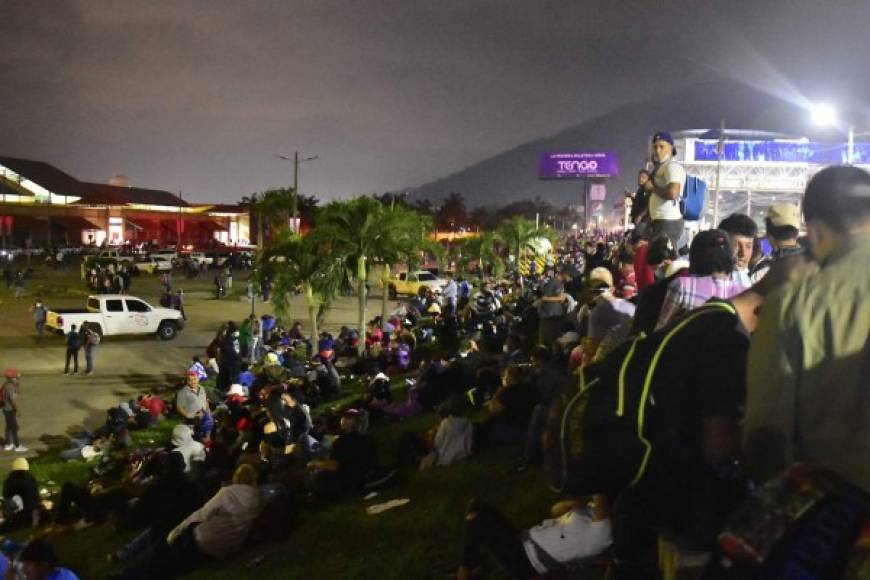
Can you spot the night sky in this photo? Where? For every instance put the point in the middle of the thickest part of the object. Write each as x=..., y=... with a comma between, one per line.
x=199, y=97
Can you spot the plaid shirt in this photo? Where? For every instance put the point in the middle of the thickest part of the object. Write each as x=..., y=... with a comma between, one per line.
x=689, y=292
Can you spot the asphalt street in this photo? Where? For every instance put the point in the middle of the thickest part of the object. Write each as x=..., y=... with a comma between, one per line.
x=54, y=405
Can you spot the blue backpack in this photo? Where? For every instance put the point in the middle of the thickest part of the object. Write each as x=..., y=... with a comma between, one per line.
x=694, y=200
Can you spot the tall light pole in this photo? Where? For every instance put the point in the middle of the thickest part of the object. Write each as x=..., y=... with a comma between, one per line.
x=826, y=116
x=296, y=162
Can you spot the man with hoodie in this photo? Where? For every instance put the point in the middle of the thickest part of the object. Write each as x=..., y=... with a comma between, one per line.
x=184, y=444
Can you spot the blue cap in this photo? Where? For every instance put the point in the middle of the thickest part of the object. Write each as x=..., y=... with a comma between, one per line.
x=663, y=136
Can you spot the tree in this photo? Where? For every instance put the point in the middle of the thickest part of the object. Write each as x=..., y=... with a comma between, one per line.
x=355, y=230
x=452, y=214
x=273, y=208
x=408, y=237
x=517, y=233
x=293, y=261
x=481, y=250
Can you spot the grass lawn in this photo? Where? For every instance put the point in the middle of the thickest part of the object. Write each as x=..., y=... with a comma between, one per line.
x=419, y=540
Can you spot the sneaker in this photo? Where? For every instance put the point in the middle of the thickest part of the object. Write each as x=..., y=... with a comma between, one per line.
x=8, y=447
x=88, y=373
x=21, y=449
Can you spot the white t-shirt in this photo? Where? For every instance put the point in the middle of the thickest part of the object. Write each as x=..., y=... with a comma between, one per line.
x=668, y=172
x=572, y=537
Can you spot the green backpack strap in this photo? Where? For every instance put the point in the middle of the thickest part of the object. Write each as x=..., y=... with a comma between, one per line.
x=647, y=384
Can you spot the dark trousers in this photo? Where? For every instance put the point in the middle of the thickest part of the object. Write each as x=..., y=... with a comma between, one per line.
x=72, y=355
x=11, y=427
x=490, y=530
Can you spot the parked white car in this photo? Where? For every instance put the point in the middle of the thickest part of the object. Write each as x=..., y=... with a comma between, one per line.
x=117, y=314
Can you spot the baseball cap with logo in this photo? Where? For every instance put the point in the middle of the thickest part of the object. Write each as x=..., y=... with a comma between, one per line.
x=784, y=214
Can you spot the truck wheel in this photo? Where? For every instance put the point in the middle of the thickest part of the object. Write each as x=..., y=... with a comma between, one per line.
x=97, y=328
x=167, y=330
x=391, y=291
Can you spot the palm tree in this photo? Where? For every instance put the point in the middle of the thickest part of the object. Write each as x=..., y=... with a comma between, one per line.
x=480, y=250
x=407, y=237
x=517, y=233
x=292, y=261
x=273, y=207
x=355, y=230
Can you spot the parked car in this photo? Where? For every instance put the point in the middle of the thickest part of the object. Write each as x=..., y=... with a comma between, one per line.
x=409, y=283
x=201, y=259
x=165, y=254
x=115, y=255
x=117, y=314
x=149, y=265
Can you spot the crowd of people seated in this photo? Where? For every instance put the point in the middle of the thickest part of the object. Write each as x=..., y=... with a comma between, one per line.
x=496, y=367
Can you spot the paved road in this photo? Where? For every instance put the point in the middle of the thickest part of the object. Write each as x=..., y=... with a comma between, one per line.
x=53, y=404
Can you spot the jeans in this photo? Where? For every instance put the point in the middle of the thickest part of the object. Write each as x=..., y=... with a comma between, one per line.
x=72, y=355
x=89, y=359
x=673, y=229
x=40, y=328
x=490, y=530
x=11, y=427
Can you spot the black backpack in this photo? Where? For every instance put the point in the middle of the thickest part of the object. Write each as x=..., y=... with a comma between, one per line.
x=597, y=438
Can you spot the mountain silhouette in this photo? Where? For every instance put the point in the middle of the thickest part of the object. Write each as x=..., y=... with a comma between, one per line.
x=513, y=174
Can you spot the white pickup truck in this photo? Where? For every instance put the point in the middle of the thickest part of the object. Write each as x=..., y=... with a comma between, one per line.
x=115, y=255
x=115, y=314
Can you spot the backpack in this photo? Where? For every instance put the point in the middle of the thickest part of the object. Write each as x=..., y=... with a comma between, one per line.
x=597, y=437
x=694, y=200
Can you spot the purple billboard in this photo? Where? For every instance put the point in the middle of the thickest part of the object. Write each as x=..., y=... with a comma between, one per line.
x=578, y=165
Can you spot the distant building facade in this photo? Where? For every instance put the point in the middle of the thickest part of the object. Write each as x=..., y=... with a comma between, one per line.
x=41, y=206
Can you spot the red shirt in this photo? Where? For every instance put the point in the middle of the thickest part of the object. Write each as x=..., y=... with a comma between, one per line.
x=643, y=272
x=155, y=405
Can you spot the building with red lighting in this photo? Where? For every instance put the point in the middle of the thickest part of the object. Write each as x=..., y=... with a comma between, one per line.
x=41, y=206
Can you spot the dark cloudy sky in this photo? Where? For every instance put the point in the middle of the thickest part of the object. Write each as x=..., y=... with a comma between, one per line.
x=200, y=96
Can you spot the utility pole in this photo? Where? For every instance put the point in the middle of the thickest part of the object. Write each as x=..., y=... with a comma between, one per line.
x=295, y=184
x=295, y=194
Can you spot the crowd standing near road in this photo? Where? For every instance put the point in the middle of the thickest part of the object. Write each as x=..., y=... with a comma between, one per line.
x=672, y=389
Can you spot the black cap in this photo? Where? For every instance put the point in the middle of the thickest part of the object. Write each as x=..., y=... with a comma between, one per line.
x=39, y=551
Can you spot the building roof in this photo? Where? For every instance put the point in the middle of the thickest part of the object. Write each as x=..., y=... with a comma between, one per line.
x=104, y=194
x=224, y=207
x=44, y=174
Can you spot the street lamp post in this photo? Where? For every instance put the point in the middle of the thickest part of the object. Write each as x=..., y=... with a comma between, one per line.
x=825, y=115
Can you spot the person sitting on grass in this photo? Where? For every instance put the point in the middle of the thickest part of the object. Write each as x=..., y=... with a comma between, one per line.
x=20, y=496
x=39, y=562
x=161, y=507
x=182, y=442
x=450, y=441
x=192, y=404
x=510, y=408
x=354, y=458
x=574, y=533
x=217, y=530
